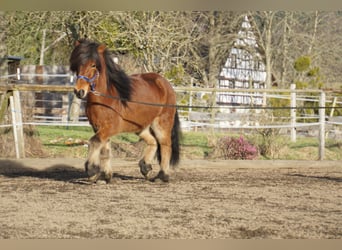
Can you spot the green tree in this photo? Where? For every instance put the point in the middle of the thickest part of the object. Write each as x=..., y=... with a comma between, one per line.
x=308, y=77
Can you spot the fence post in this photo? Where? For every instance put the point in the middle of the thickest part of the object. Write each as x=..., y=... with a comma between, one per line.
x=74, y=109
x=18, y=74
x=17, y=122
x=293, y=113
x=333, y=107
x=19, y=119
x=321, y=126
x=14, y=124
x=65, y=104
x=190, y=101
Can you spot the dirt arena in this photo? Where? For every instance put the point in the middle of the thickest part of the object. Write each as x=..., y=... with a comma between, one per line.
x=49, y=198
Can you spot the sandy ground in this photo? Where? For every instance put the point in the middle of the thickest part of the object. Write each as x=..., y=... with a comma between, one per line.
x=49, y=198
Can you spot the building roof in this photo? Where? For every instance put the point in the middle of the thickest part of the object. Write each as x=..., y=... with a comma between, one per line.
x=13, y=58
x=244, y=62
x=244, y=69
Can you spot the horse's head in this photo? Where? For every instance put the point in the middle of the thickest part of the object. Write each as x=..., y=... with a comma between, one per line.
x=86, y=79
x=96, y=70
x=85, y=61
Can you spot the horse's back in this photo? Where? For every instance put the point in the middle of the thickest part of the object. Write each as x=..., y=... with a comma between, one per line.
x=151, y=78
x=153, y=82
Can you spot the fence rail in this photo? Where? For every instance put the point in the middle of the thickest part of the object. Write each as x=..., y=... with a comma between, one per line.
x=65, y=88
x=59, y=116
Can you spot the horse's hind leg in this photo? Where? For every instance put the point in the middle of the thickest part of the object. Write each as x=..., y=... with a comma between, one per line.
x=162, y=133
x=145, y=163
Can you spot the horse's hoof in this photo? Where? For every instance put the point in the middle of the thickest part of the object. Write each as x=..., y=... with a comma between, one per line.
x=94, y=178
x=145, y=169
x=86, y=166
x=108, y=178
x=161, y=176
x=92, y=169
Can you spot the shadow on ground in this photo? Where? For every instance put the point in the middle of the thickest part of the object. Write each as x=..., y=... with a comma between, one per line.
x=57, y=172
x=324, y=178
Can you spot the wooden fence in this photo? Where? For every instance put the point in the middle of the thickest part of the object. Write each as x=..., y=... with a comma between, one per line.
x=11, y=92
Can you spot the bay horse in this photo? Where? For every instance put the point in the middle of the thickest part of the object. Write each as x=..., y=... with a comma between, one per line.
x=144, y=104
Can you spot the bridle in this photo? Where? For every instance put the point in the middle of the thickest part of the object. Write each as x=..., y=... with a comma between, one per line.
x=89, y=80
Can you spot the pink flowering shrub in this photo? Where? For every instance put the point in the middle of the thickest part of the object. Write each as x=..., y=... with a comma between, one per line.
x=237, y=149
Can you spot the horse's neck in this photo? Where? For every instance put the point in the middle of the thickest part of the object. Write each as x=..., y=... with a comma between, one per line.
x=102, y=86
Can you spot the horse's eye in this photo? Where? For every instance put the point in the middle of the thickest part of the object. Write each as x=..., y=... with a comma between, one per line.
x=93, y=66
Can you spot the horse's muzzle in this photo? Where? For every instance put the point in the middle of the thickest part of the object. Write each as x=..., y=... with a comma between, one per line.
x=80, y=93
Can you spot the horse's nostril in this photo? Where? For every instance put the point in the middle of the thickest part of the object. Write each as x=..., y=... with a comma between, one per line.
x=79, y=93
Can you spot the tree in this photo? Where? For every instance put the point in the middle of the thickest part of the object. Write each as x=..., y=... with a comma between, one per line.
x=264, y=23
x=214, y=32
x=3, y=49
x=52, y=32
x=314, y=34
x=183, y=45
x=326, y=44
x=25, y=34
x=159, y=40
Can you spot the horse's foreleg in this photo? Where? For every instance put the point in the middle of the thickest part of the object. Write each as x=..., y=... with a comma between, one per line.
x=99, y=156
x=145, y=163
x=105, y=161
x=92, y=165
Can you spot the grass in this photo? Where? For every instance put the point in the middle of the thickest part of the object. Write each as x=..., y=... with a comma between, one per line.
x=49, y=133
x=306, y=148
x=64, y=141
x=72, y=142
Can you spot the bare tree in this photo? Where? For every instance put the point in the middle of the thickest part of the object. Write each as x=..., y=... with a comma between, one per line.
x=3, y=49
x=196, y=42
x=214, y=31
x=326, y=44
x=158, y=39
x=314, y=34
x=264, y=23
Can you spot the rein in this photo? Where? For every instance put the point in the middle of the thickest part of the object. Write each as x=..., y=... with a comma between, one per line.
x=94, y=92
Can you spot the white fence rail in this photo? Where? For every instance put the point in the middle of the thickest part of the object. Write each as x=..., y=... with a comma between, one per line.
x=59, y=114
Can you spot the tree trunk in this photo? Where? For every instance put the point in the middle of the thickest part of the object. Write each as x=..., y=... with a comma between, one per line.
x=314, y=33
x=285, y=52
x=3, y=49
x=268, y=49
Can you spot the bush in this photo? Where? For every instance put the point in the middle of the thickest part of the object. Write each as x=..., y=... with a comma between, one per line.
x=302, y=64
x=269, y=144
x=237, y=148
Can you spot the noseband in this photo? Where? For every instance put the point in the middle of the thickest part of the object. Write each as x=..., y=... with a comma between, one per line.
x=89, y=80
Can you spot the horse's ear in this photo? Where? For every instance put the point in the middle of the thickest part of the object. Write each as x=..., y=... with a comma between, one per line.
x=101, y=48
x=77, y=43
